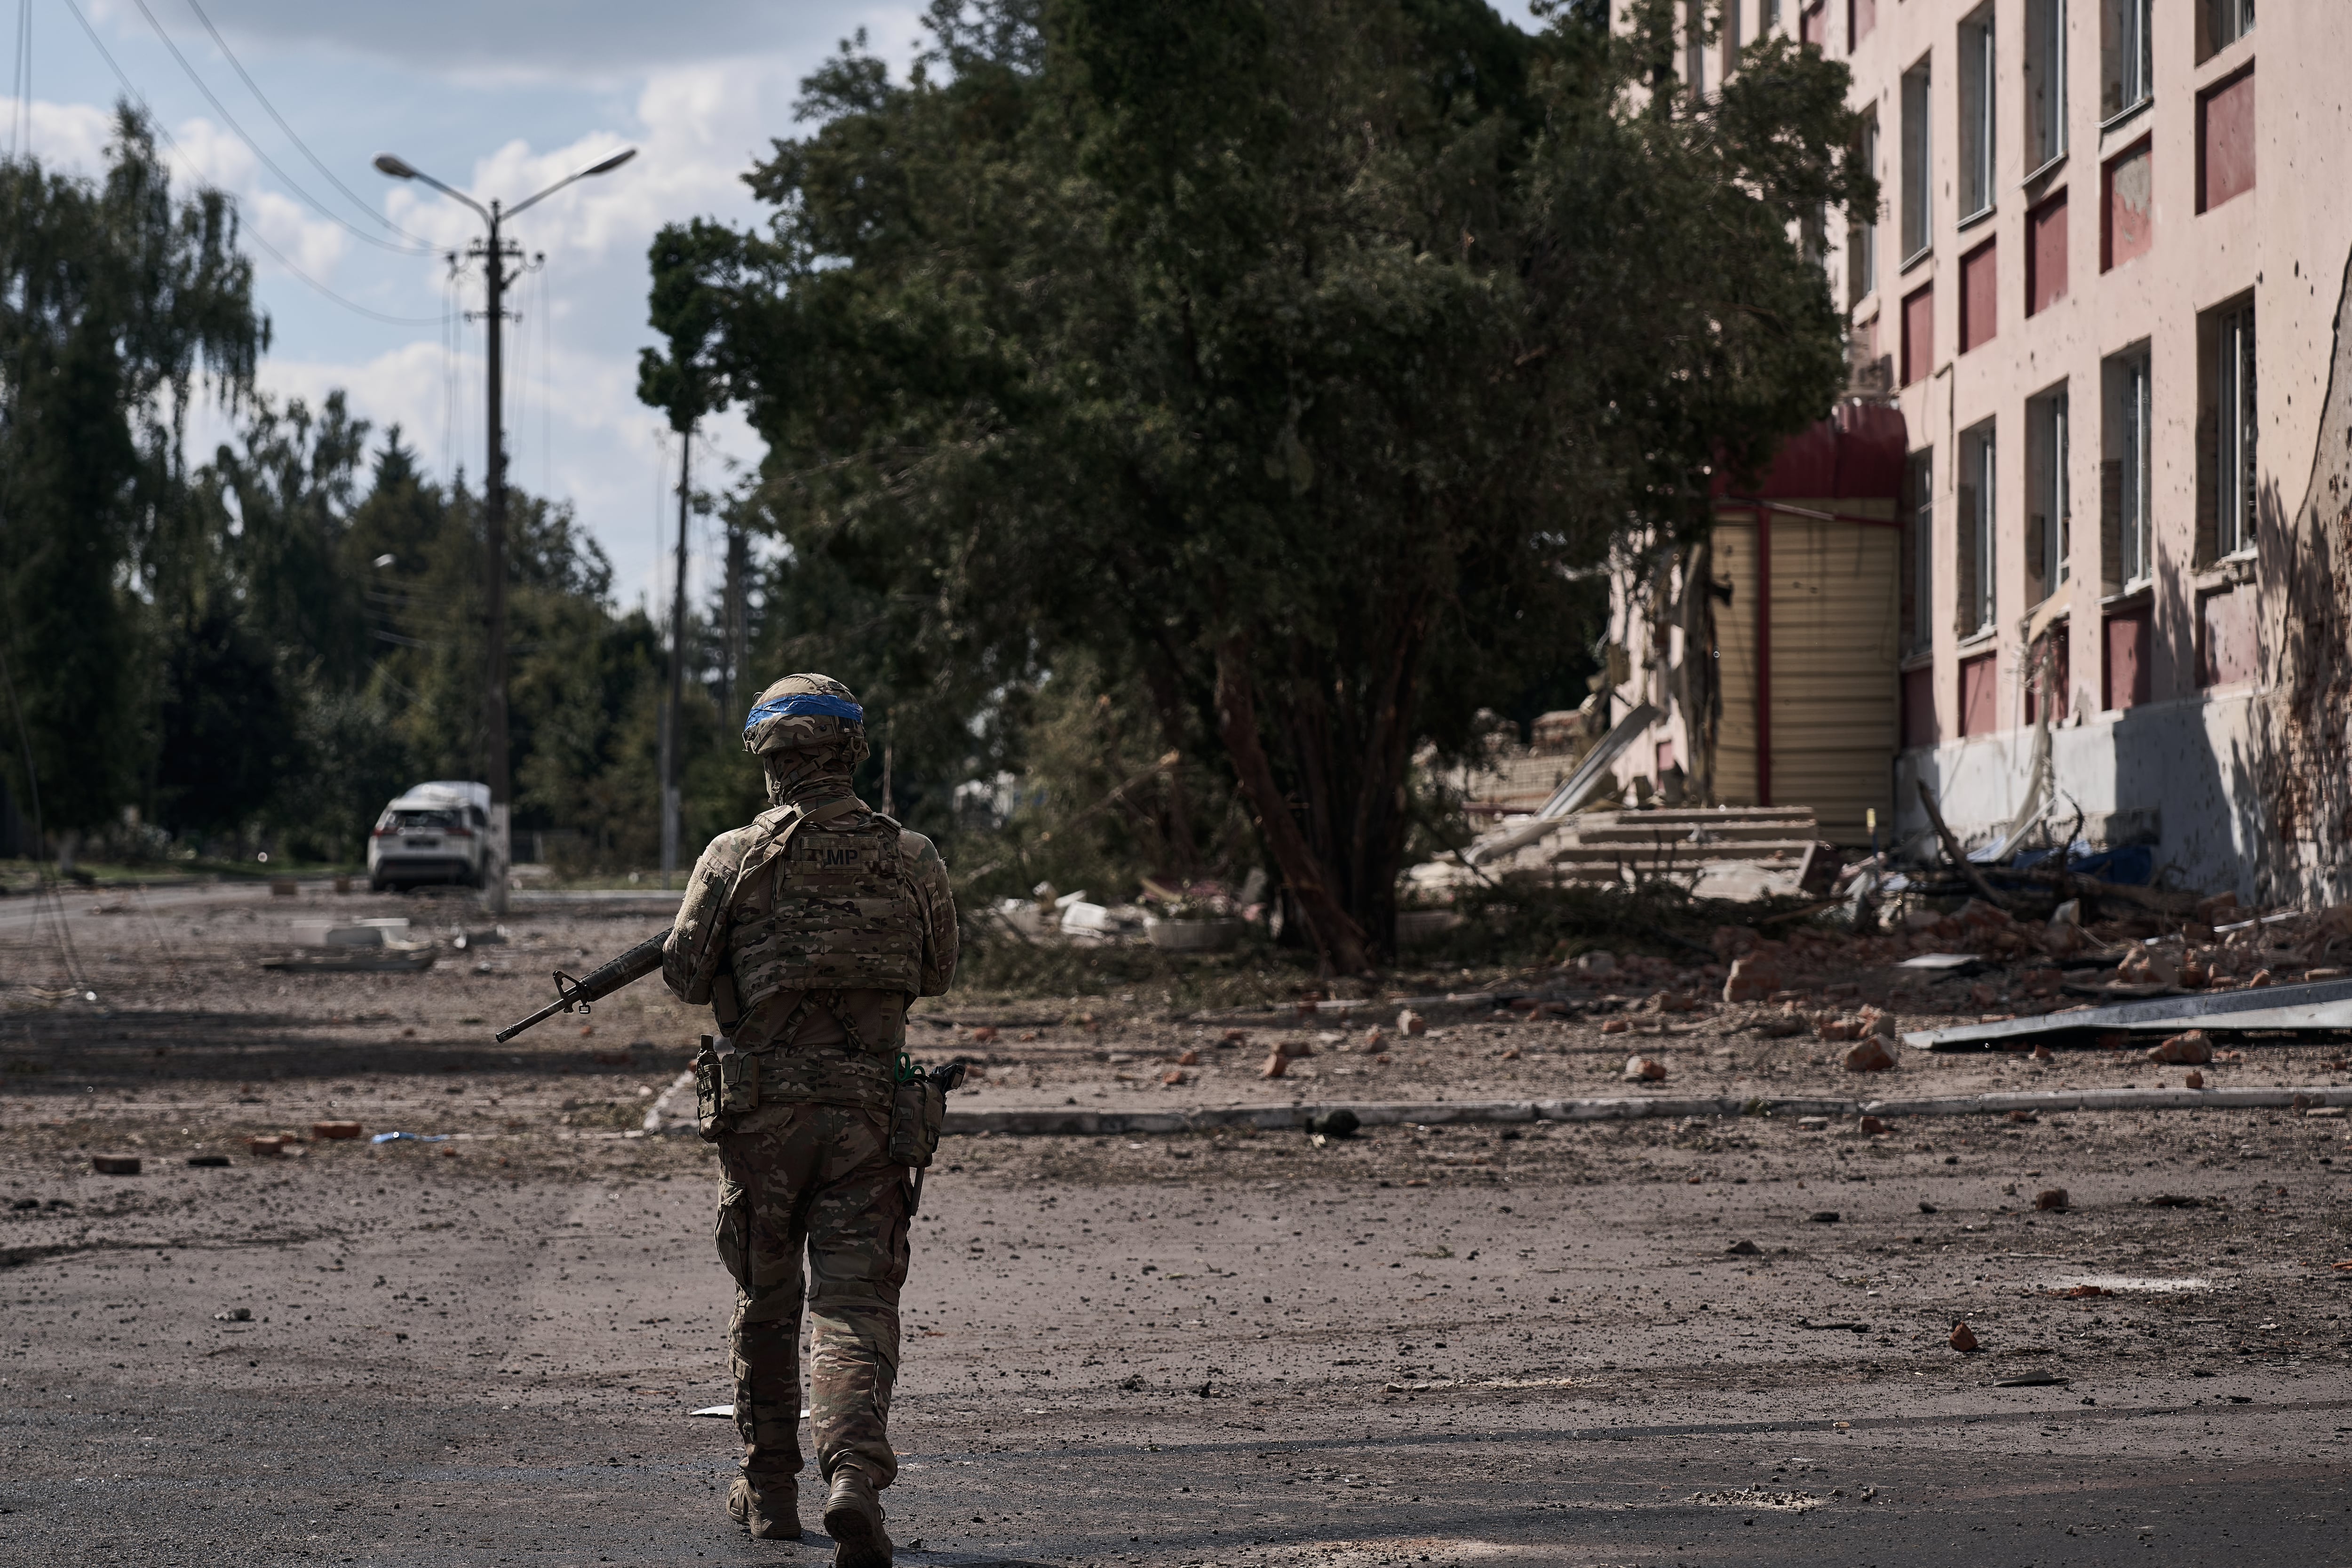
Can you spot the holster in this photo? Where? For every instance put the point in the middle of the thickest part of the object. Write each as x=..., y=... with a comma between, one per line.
x=726, y=1086
x=918, y=1108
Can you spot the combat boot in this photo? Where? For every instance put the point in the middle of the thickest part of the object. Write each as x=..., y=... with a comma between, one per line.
x=853, y=1517
x=767, y=1506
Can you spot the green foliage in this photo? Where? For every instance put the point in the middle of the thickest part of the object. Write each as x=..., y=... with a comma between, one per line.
x=114, y=295
x=1285, y=351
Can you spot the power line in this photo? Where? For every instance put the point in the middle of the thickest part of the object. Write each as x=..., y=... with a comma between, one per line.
x=255, y=234
x=255, y=88
x=419, y=248
x=21, y=84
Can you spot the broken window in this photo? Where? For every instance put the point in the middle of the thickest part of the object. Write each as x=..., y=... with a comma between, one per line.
x=2045, y=255
x=2126, y=58
x=1980, y=296
x=2221, y=24
x=1918, y=333
x=2124, y=469
x=2225, y=140
x=2127, y=221
x=2048, y=519
x=1977, y=97
x=1918, y=167
x=1979, y=463
x=1919, y=545
x=2045, y=81
x=2225, y=435
x=1862, y=235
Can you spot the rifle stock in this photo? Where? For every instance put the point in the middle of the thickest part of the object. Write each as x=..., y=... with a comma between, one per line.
x=595, y=985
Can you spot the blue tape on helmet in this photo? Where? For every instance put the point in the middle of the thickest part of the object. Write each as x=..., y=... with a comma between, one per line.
x=806, y=704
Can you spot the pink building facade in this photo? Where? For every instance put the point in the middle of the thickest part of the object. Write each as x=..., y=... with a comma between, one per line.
x=2105, y=291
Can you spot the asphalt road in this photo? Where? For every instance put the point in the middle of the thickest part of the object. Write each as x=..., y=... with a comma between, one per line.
x=1113, y=1359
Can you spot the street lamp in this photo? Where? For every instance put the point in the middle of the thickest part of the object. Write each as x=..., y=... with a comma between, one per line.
x=494, y=253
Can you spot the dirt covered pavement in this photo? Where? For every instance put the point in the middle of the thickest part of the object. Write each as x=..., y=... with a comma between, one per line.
x=1620, y=1342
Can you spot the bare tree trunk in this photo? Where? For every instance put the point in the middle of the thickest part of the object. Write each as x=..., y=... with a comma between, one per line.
x=1336, y=935
x=1167, y=704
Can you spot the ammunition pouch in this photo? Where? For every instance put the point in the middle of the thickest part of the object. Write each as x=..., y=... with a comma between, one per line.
x=726, y=1086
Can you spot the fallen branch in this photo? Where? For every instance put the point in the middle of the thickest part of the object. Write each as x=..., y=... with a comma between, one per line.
x=1952, y=851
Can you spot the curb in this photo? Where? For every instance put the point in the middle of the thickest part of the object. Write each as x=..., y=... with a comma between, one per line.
x=1631, y=1108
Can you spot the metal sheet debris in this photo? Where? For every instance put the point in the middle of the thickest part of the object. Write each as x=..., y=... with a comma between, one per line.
x=2321, y=1007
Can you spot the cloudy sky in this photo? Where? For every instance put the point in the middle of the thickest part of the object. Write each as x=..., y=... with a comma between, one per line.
x=498, y=101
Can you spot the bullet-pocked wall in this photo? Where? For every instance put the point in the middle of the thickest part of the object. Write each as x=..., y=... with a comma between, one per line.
x=2104, y=290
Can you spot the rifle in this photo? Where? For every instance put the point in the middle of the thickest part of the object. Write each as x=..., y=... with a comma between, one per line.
x=572, y=995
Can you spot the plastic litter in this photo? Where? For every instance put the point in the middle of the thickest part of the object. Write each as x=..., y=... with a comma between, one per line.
x=410, y=1138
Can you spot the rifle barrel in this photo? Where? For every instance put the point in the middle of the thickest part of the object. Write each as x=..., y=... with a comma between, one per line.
x=596, y=985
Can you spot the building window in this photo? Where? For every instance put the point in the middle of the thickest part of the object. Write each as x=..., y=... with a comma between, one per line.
x=1918, y=165
x=2222, y=23
x=2045, y=81
x=2123, y=674
x=1918, y=333
x=1979, y=466
x=1919, y=552
x=2045, y=255
x=2226, y=439
x=2128, y=216
x=1977, y=97
x=2225, y=140
x=1695, y=47
x=2127, y=59
x=1980, y=680
x=1861, y=235
x=2049, y=522
x=1813, y=24
x=1731, y=36
x=1770, y=20
x=1980, y=296
x=1861, y=17
x=2126, y=468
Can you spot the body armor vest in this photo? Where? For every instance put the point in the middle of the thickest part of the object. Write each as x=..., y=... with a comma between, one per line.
x=823, y=909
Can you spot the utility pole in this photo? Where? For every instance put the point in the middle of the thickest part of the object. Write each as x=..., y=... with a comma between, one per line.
x=738, y=569
x=495, y=252
x=673, y=736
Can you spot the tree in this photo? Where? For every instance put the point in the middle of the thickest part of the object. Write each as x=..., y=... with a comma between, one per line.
x=1289, y=351
x=113, y=296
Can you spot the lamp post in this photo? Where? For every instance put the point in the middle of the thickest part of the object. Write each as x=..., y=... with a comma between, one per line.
x=495, y=252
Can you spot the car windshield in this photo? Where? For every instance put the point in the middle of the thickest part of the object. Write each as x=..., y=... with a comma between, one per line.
x=423, y=821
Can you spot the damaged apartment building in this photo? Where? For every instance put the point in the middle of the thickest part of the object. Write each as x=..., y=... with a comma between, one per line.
x=2078, y=546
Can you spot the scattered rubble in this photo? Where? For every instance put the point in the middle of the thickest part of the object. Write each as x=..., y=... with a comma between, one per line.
x=1963, y=1339
x=2194, y=1045
x=1642, y=1069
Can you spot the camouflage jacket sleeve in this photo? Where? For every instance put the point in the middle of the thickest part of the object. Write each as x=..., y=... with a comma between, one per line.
x=696, y=948
x=935, y=904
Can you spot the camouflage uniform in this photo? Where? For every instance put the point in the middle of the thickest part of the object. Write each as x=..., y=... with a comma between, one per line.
x=849, y=896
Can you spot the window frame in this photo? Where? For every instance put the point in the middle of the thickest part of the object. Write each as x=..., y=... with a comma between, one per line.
x=1979, y=115
x=2049, y=434
x=1917, y=218
x=2237, y=376
x=2044, y=98
x=2127, y=37
x=1979, y=531
x=1861, y=235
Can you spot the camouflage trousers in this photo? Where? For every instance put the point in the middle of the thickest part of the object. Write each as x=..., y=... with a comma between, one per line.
x=802, y=1177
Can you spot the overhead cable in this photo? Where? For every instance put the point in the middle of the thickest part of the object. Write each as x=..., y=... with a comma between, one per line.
x=254, y=234
x=263, y=98
x=188, y=69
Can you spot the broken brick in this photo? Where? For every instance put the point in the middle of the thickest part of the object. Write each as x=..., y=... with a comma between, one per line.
x=1412, y=1023
x=1615, y=1027
x=1870, y=1056
x=1753, y=978
x=1962, y=1340
x=1375, y=1037
x=115, y=1164
x=328, y=1131
x=1189, y=1059
x=1642, y=1069
x=1275, y=1066
x=1233, y=1037
x=2191, y=1046
x=1871, y=1126
x=983, y=1034
x=2195, y=1079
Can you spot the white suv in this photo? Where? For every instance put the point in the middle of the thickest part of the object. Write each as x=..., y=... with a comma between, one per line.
x=436, y=832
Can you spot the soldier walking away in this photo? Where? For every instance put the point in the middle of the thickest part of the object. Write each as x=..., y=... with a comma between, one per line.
x=808, y=932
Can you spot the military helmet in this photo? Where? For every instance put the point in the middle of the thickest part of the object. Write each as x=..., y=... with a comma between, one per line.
x=803, y=711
